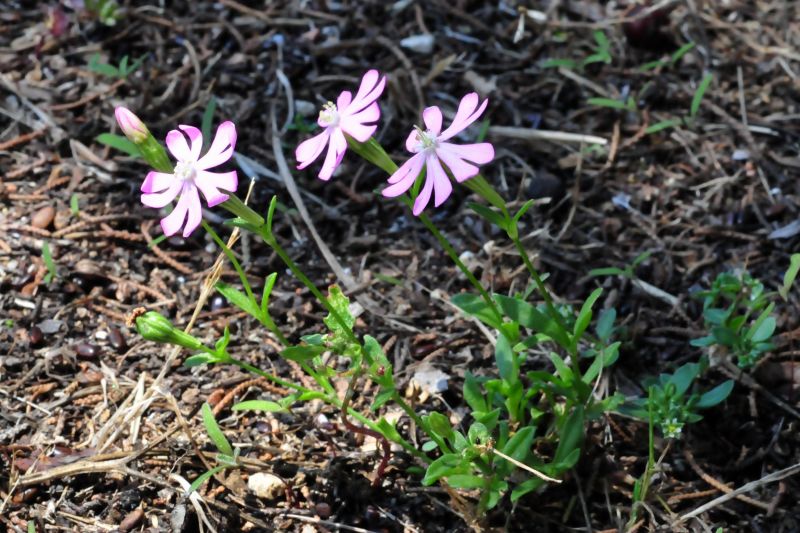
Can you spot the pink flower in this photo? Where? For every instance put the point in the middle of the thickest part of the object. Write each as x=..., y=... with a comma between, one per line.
x=355, y=117
x=190, y=175
x=431, y=150
x=131, y=125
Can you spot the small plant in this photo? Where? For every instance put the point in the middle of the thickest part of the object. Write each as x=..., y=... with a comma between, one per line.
x=668, y=405
x=226, y=456
x=106, y=11
x=122, y=71
x=600, y=54
x=738, y=315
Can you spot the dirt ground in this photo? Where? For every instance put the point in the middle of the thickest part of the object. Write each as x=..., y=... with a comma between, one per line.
x=87, y=443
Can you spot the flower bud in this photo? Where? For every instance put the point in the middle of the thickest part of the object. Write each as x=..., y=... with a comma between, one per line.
x=131, y=125
x=155, y=327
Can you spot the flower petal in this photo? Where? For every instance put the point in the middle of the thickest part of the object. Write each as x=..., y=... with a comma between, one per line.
x=441, y=183
x=457, y=157
x=176, y=142
x=221, y=148
x=413, y=144
x=336, y=150
x=157, y=181
x=358, y=127
x=404, y=177
x=189, y=204
x=468, y=112
x=162, y=198
x=433, y=119
x=424, y=195
x=308, y=150
x=196, y=138
x=372, y=86
x=210, y=184
x=195, y=212
x=345, y=97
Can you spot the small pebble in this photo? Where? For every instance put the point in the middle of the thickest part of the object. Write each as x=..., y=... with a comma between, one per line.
x=62, y=219
x=43, y=217
x=133, y=520
x=323, y=510
x=265, y=485
x=117, y=340
x=217, y=302
x=86, y=351
x=36, y=336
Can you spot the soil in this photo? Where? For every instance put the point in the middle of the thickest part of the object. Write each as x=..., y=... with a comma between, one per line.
x=86, y=443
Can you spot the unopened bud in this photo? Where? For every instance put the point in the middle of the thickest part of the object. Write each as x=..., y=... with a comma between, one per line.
x=156, y=327
x=131, y=125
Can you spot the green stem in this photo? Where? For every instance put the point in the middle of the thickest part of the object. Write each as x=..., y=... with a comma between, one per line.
x=548, y=300
x=235, y=262
x=272, y=242
x=330, y=400
x=419, y=422
x=460, y=264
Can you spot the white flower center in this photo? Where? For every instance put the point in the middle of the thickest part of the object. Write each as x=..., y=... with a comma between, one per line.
x=329, y=115
x=427, y=139
x=185, y=171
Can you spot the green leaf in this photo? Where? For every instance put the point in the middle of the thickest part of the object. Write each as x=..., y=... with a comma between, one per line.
x=258, y=405
x=102, y=68
x=699, y=93
x=585, y=315
x=610, y=102
x=519, y=446
x=382, y=397
x=239, y=299
x=340, y=304
x=200, y=359
x=429, y=446
x=466, y=481
x=504, y=359
x=74, y=204
x=522, y=210
x=492, y=216
x=524, y=488
x=680, y=52
x=302, y=352
x=478, y=433
x=269, y=283
x=605, y=324
x=208, y=118
x=440, y=425
x=214, y=432
x=662, y=125
x=205, y=477
x=118, y=142
x=724, y=336
x=561, y=368
x=530, y=317
x=474, y=305
x=47, y=257
x=571, y=436
x=789, y=277
x=683, y=377
x=481, y=187
x=607, y=271
x=388, y=430
x=715, y=395
x=764, y=330
x=472, y=393
x=447, y=464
